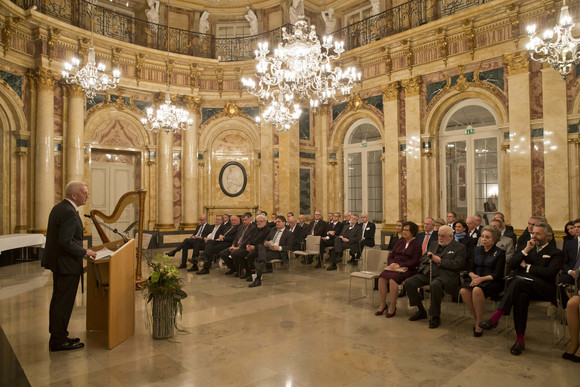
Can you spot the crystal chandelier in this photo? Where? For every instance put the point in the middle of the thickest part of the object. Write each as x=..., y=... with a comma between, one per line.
x=557, y=47
x=299, y=69
x=168, y=117
x=92, y=77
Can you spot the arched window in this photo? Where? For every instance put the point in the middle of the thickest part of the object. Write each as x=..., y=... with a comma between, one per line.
x=469, y=139
x=363, y=173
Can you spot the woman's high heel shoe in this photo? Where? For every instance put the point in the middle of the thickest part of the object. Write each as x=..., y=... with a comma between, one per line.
x=380, y=312
x=389, y=315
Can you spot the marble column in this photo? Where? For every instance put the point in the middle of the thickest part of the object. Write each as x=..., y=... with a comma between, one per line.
x=289, y=171
x=574, y=174
x=189, y=169
x=391, y=169
x=164, y=181
x=44, y=149
x=266, y=202
x=413, y=151
x=21, y=180
x=520, y=174
x=322, y=124
x=555, y=148
x=75, y=134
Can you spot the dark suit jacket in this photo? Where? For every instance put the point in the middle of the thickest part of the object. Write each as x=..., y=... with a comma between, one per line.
x=524, y=238
x=230, y=233
x=570, y=249
x=452, y=261
x=286, y=239
x=319, y=230
x=64, y=250
x=246, y=238
x=337, y=228
x=297, y=236
x=258, y=236
x=353, y=235
x=420, y=237
x=206, y=230
x=509, y=232
x=368, y=234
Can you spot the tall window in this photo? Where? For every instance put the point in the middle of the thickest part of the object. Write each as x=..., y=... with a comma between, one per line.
x=232, y=30
x=363, y=174
x=469, y=151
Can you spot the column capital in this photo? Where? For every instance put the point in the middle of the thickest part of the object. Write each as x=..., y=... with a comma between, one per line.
x=44, y=79
x=391, y=91
x=412, y=86
x=517, y=63
x=75, y=91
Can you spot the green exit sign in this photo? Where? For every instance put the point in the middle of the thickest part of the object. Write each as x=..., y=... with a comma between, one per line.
x=469, y=131
x=363, y=144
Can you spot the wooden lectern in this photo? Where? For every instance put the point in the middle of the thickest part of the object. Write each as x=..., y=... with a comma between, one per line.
x=111, y=292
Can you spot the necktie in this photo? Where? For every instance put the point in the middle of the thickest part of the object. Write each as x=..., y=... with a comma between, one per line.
x=313, y=227
x=425, y=241
x=200, y=230
x=275, y=240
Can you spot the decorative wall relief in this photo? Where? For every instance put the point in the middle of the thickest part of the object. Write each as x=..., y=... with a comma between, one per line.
x=117, y=133
x=233, y=179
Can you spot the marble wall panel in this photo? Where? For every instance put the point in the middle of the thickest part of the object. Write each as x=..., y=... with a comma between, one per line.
x=117, y=132
x=403, y=182
x=176, y=191
x=177, y=137
x=58, y=121
x=58, y=177
x=572, y=90
x=402, y=124
x=428, y=55
x=492, y=36
x=535, y=91
x=538, y=187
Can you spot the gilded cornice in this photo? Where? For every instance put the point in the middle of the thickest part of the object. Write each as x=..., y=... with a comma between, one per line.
x=391, y=91
x=412, y=86
x=517, y=63
x=193, y=104
x=53, y=39
x=75, y=91
x=44, y=79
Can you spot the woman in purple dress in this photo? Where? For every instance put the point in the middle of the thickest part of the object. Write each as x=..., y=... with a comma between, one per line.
x=403, y=262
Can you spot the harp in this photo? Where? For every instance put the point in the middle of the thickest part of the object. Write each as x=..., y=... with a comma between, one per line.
x=136, y=198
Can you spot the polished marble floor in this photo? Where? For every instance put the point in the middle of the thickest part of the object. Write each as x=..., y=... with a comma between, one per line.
x=295, y=330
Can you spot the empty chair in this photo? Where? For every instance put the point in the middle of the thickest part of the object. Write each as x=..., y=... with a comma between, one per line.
x=375, y=263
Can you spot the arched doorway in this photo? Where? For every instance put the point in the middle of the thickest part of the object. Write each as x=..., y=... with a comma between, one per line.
x=470, y=140
x=363, y=170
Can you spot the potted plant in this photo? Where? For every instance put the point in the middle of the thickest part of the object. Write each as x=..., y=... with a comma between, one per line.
x=165, y=288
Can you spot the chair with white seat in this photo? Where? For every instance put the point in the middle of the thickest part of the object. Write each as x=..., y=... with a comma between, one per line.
x=376, y=261
x=312, y=247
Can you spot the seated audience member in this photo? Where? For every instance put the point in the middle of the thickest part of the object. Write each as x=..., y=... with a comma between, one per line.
x=460, y=236
x=439, y=268
x=346, y=220
x=244, y=258
x=276, y=246
x=288, y=215
x=508, y=231
x=333, y=229
x=223, y=241
x=270, y=224
x=397, y=235
x=573, y=319
x=485, y=275
x=505, y=243
x=527, y=234
x=239, y=243
x=405, y=255
x=297, y=233
x=428, y=235
x=451, y=218
x=533, y=278
x=367, y=239
x=477, y=219
x=195, y=241
x=302, y=222
x=570, y=231
x=571, y=263
x=472, y=230
x=317, y=228
x=199, y=243
x=348, y=239
x=438, y=223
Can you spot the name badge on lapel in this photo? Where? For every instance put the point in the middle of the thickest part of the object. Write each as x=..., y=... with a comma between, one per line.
x=546, y=256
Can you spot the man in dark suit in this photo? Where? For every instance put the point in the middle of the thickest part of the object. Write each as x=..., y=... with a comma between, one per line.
x=527, y=234
x=317, y=226
x=297, y=233
x=368, y=229
x=349, y=238
x=223, y=241
x=571, y=264
x=472, y=230
x=451, y=218
x=439, y=268
x=276, y=246
x=508, y=231
x=244, y=259
x=63, y=255
x=333, y=229
x=533, y=278
x=429, y=235
x=199, y=243
x=201, y=231
x=240, y=241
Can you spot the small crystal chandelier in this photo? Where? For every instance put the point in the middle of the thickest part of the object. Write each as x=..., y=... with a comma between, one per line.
x=168, y=117
x=560, y=52
x=92, y=77
x=299, y=69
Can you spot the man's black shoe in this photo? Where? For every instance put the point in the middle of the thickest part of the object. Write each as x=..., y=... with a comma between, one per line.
x=403, y=293
x=203, y=271
x=171, y=253
x=257, y=282
x=419, y=315
x=193, y=268
x=183, y=266
x=231, y=271
x=434, y=322
x=487, y=324
x=73, y=339
x=66, y=346
x=249, y=278
x=517, y=348
x=331, y=267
